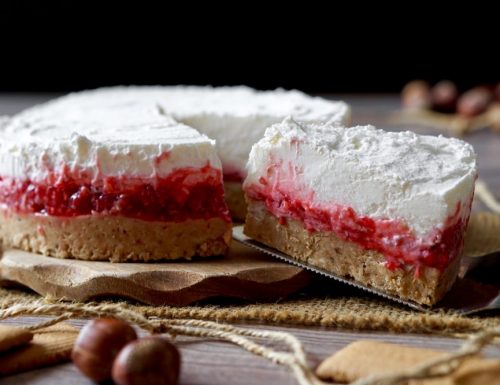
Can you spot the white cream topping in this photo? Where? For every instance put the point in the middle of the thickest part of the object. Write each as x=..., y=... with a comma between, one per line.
x=103, y=136
x=237, y=117
x=127, y=127
x=391, y=175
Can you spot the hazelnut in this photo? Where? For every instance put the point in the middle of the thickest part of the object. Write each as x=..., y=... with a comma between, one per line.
x=474, y=101
x=97, y=345
x=150, y=360
x=416, y=95
x=444, y=96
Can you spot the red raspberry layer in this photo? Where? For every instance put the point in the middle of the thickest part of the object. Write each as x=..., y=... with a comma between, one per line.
x=393, y=238
x=233, y=176
x=186, y=193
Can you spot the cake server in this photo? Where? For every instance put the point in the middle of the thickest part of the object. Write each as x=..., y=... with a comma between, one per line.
x=466, y=297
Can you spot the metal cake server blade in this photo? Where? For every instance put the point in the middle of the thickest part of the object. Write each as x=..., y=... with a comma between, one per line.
x=478, y=296
x=239, y=236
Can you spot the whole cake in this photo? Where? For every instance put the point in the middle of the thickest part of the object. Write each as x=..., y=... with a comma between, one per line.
x=386, y=209
x=135, y=173
x=109, y=176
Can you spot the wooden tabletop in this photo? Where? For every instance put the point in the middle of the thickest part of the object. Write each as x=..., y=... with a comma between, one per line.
x=208, y=362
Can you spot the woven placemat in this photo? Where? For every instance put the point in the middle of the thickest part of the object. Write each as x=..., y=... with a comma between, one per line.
x=344, y=310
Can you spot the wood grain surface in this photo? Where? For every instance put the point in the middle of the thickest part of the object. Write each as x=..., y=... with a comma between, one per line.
x=208, y=362
x=244, y=273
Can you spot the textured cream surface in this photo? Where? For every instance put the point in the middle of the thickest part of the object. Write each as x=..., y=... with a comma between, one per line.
x=386, y=175
x=237, y=117
x=102, y=134
x=122, y=130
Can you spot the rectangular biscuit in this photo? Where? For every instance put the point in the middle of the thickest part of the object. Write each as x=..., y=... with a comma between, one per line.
x=49, y=346
x=364, y=358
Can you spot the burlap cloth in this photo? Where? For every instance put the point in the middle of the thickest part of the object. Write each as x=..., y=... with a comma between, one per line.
x=345, y=310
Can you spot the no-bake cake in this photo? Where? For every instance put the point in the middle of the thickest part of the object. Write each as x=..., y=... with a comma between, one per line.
x=105, y=176
x=135, y=173
x=387, y=209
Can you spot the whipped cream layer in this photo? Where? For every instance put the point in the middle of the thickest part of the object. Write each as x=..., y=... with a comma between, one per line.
x=102, y=134
x=127, y=127
x=236, y=117
x=419, y=182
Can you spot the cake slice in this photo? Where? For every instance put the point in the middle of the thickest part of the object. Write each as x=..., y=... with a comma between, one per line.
x=110, y=177
x=386, y=209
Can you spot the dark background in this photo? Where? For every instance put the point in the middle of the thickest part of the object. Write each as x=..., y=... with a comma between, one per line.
x=61, y=46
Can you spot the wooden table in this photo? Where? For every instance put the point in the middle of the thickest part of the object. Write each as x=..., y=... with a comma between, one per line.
x=208, y=362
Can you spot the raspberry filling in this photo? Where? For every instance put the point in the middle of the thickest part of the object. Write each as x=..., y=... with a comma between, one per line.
x=393, y=238
x=186, y=193
x=233, y=175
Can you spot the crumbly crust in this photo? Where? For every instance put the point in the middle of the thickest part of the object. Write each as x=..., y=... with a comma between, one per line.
x=114, y=238
x=235, y=200
x=327, y=251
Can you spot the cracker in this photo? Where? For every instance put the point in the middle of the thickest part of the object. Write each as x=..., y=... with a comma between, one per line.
x=364, y=358
x=483, y=234
x=50, y=346
x=12, y=336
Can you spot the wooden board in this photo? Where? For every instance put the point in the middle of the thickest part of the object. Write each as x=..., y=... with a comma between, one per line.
x=244, y=274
